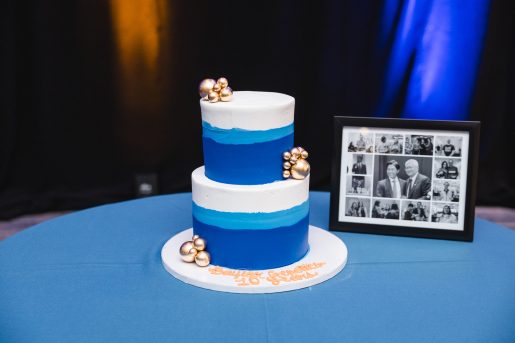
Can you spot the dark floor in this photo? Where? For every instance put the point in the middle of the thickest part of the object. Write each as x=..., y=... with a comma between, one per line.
x=500, y=215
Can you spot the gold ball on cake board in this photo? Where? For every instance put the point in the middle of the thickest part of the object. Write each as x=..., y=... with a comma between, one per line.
x=202, y=259
x=195, y=237
x=293, y=159
x=222, y=82
x=199, y=244
x=286, y=155
x=186, y=247
x=295, y=152
x=205, y=87
x=190, y=257
x=213, y=96
x=226, y=94
x=286, y=174
x=300, y=170
x=304, y=154
x=286, y=165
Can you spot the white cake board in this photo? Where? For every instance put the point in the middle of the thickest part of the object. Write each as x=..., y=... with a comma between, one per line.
x=326, y=257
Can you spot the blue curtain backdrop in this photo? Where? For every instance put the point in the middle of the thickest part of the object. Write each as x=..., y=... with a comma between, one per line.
x=434, y=49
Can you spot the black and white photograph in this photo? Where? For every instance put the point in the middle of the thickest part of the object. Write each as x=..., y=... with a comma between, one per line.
x=415, y=210
x=405, y=177
x=447, y=168
x=419, y=145
x=359, y=185
x=449, y=146
x=357, y=207
x=447, y=213
x=360, y=164
x=446, y=190
x=385, y=209
x=360, y=142
x=388, y=143
x=393, y=188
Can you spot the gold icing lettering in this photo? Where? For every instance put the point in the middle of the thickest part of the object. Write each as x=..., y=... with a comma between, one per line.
x=245, y=278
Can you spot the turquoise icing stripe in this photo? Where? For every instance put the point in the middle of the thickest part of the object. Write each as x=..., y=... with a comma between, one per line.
x=252, y=220
x=241, y=136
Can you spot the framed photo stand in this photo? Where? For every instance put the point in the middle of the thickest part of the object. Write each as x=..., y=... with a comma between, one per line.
x=404, y=177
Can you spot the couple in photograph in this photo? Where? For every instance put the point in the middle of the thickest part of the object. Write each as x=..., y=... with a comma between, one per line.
x=357, y=209
x=447, y=170
x=415, y=213
x=416, y=186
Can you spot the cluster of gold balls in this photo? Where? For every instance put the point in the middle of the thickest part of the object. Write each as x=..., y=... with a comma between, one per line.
x=295, y=165
x=214, y=91
x=195, y=251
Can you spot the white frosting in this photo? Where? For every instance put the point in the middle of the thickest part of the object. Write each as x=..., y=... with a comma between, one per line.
x=250, y=111
x=269, y=197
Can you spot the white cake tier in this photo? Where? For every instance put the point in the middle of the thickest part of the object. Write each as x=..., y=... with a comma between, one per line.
x=250, y=111
x=269, y=197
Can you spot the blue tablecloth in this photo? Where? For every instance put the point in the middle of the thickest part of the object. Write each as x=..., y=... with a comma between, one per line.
x=96, y=276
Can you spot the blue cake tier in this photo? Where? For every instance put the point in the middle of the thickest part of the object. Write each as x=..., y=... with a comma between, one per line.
x=245, y=157
x=248, y=247
x=251, y=227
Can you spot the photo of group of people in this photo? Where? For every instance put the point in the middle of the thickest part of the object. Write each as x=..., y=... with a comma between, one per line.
x=389, y=144
x=360, y=142
x=403, y=177
x=419, y=145
x=387, y=209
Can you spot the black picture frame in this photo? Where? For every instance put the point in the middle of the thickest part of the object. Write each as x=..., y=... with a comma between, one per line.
x=420, y=229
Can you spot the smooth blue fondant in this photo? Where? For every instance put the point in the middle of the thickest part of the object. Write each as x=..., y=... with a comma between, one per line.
x=245, y=164
x=241, y=136
x=255, y=249
x=251, y=221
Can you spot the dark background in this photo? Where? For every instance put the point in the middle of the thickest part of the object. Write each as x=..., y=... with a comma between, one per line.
x=95, y=93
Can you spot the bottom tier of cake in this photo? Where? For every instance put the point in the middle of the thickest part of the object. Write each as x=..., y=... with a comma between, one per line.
x=251, y=227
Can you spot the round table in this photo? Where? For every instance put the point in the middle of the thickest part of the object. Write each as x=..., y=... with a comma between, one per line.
x=96, y=276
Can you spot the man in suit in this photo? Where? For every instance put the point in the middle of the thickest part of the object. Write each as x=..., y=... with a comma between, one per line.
x=417, y=186
x=392, y=186
x=359, y=167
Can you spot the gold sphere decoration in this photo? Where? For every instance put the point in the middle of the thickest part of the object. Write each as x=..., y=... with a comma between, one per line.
x=295, y=152
x=226, y=94
x=222, y=82
x=195, y=237
x=304, y=154
x=286, y=174
x=205, y=87
x=286, y=155
x=286, y=165
x=293, y=159
x=202, y=258
x=300, y=170
x=199, y=244
x=190, y=256
x=213, y=96
x=185, y=248
x=215, y=91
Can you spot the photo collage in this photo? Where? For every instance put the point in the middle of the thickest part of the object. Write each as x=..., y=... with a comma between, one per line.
x=397, y=177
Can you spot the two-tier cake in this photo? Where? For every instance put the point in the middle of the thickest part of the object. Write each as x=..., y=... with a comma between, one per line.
x=250, y=207
x=249, y=215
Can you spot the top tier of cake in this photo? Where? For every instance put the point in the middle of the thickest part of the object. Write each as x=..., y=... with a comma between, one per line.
x=244, y=139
